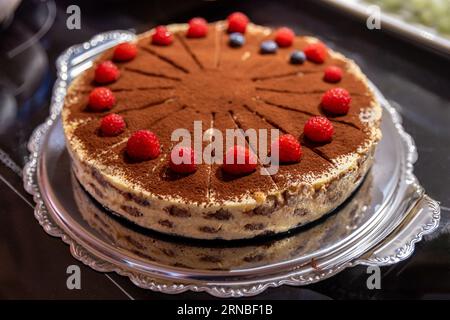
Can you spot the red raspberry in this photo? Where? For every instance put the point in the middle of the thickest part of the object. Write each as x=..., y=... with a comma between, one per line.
x=186, y=165
x=289, y=150
x=162, y=36
x=112, y=125
x=198, y=28
x=332, y=74
x=284, y=37
x=318, y=129
x=316, y=52
x=101, y=99
x=336, y=101
x=125, y=52
x=106, y=72
x=143, y=145
x=237, y=22
x=241, y=154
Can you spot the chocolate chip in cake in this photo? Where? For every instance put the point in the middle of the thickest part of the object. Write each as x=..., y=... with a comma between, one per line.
x=264, y=210
x=208, y=229
x=99, y=178
x=166, y=223
x=254, y=226
x=178, y=212
x=301, y=212
x=139, y=201
x=220, y=214
x=131, y=211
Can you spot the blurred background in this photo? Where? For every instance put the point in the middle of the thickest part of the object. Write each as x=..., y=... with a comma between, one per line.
x=408, y=59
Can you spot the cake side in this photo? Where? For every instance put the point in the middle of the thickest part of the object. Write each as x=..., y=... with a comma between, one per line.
x=153, y=247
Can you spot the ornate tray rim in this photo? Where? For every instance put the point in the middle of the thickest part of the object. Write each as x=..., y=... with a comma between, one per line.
x=373, y=257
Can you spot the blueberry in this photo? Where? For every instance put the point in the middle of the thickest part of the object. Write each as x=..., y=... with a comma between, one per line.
x=269, y=46
x=298, y=57
x=236, y=40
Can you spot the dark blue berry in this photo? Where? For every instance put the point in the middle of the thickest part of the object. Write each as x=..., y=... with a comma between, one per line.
x=236, y=40
x=269, y=46
x=298, y=57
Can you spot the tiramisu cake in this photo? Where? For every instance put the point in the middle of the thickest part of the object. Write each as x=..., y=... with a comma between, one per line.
x=119, y=117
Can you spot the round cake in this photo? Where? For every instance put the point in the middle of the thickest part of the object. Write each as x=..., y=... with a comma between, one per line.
x=119, y=117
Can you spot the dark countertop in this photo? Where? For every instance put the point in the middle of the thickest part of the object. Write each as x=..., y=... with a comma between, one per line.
x=417, y=82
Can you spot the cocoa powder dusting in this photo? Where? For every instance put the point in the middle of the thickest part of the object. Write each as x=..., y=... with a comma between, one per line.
x=167, y=88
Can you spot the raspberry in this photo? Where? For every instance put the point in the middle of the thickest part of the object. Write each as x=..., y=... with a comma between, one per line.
x=198, y=28
x=187, y=165
x=336, y=101
x=284, y=37
x=316, y=52
x=318, y=129
x=241, y=161
x=112, y=125
x=125, y=52
x=332, y=74
x=162, y=36
x=143, y=145
x=106, y=72
x=237, y=22
x=101, y=99
x=289, y=148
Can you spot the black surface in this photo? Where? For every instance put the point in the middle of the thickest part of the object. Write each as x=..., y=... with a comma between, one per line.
x=33, y=265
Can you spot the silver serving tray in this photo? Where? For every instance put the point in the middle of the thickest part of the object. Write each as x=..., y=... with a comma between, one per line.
x=416, y=32
x=378, y=225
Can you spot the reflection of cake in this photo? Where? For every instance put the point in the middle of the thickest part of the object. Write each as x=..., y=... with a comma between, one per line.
x=206, y=79
x=155, y=248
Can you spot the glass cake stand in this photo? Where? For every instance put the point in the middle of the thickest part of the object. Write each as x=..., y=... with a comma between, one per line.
x=378, y=225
